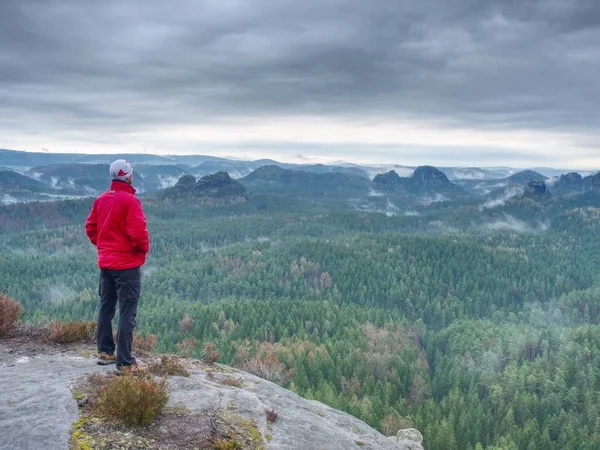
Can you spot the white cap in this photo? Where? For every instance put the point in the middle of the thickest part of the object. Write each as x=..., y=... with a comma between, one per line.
x=120, y=170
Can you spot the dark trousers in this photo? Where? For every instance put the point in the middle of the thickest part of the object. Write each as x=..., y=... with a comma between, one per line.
x=123, y=286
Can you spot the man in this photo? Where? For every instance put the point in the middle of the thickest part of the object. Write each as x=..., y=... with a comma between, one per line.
x=117, y=227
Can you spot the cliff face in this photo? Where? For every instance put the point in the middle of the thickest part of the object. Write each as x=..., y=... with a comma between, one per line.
x=38, y=409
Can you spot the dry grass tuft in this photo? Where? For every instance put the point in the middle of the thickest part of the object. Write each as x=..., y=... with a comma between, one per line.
x=64, y=333
x=133, y=401
x=168, y=365
x=10, y=312
x=231, y=381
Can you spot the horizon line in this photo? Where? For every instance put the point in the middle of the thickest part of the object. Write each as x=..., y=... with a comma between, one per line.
x=333, y=161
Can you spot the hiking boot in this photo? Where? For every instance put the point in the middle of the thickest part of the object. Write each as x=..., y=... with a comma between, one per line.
x=131, y=369
x=104, y=359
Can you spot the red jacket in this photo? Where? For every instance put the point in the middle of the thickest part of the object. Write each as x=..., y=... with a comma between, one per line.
x=117, y=226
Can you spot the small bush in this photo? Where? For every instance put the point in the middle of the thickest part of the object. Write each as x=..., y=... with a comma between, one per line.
x=210, y=353
x=10, y=311
x=168, y=365
x=186, y=324
x=64, y=333
x=146, y=344
x=134, y=401
x=272, y=415
x=188, y=346
x=230, y=381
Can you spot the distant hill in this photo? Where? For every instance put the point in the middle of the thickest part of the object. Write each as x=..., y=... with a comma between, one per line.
x=240, y=169
x=274, y=179
x=32, y=159
x=74, y=179
x=15, y=187
x=14, y=181
x=149, y=178
x=75, y=175
x=201, y=164
x=13, y=158
x=526, y=175
x=235, y=169
x=473, y=173
x=498, y=186
x=322, y=168
x=92, y=179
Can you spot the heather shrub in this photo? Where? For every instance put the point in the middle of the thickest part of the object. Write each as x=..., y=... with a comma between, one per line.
x=224, y=444
x=10, y=311
x=188, y=346
x=210, y=353
x=144, y=344
x=271, y=415
x=263, y=363
x=64, y=333
x=133, y=401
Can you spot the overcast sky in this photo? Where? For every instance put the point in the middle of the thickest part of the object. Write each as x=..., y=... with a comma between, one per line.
x=446, y=82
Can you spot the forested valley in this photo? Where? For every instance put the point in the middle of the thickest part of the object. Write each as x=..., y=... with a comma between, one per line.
x=478, y=326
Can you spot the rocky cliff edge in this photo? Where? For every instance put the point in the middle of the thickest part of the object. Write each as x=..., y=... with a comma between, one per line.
x=41, y=385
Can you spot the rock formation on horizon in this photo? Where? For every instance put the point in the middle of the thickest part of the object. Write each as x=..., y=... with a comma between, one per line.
x=218, y=186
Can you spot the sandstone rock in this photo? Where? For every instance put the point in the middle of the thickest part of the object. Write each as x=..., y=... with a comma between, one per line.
x=37, y=409
x=409, y=439
x=536, y=187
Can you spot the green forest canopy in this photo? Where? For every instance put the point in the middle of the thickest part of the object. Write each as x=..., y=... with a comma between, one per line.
x=479, y=327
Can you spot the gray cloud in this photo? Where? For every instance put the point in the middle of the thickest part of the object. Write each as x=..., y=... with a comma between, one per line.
x=87, y=69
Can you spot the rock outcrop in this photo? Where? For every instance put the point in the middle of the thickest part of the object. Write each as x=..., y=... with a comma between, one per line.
x=37, y=407
x=592, y=183
x=426, y=182
x=567, y=184
x=536, y=187
x=430, y=176
x=217, y=186
x=387, y=179
x=409, y=438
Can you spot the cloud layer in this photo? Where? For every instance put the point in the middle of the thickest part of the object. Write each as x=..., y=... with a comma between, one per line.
x=190, y=75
